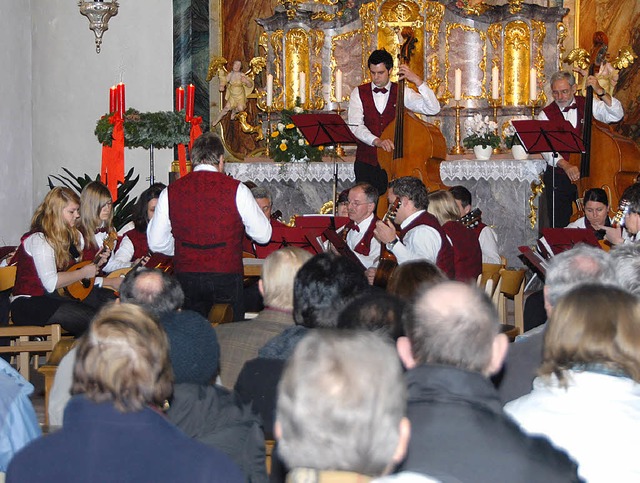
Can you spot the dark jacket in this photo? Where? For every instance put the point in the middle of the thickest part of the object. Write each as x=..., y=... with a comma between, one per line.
x=458, y=429
x=215, y=416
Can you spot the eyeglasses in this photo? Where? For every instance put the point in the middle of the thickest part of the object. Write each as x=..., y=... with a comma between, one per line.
x=357, y=203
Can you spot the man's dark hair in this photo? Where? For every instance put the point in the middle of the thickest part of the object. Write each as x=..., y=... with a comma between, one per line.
x=322, y=287
x=153, y=290
x=632, y=195
x=412, y=188
x=380, y=56
x=462, y=194
x=207, y=149
x=377, y=312
x=140, y=209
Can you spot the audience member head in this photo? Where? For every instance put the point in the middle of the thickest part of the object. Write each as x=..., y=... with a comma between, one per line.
x=582, y=264
x=593, y=327
x=454, y=324
x=443, y=206
x=632, y=220
x=278, y=273
x=413, y=196
x=123, y=358
x=341, y=404
x=207, y=149
x=376, y=312
x=146, y=205
x=380, y=56
x=625, y=260
x=342, y=206
x=463, y=199
x=95, y=210
x=263, y=198
x=362, y=201
x=153, y=290
x=56, y=218
x=322, y=287
x=408, y=278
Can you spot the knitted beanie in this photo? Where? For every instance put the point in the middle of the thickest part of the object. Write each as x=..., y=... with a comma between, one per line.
x=194, y=351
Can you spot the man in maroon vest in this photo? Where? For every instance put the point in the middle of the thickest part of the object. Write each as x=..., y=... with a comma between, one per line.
x=421, y=236
x=372, y=107
x=201, y=219
x=567, y=106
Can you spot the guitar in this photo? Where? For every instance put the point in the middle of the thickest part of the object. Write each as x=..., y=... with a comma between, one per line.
x=388, y=261
x=82, y=288
x=616, y=221
x=147, y=260
x=471, y=219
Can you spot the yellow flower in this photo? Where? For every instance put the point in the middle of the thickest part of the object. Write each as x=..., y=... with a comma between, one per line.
x=275, y=134
x=320, y=148
x=290, y=125
x=283, y=147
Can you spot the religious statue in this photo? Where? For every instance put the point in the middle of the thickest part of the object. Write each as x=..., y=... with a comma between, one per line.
x=238, y=86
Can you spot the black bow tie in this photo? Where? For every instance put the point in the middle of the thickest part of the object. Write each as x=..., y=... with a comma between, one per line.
x=380, y=89
x=568, y=108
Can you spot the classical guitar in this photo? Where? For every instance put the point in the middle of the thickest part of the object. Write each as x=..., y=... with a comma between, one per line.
x=388, y=261
x=80, y=290
x=616, y=221
x=471, y=219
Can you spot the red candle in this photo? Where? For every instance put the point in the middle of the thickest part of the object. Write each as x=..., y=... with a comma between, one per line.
x=179, y=99
x=191, y=96
x=121, y=103
x=112, y=99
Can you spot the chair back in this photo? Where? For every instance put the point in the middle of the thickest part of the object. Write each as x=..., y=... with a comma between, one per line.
x=7, y=277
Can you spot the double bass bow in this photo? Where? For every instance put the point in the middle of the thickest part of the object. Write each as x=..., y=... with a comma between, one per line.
x=419, y=147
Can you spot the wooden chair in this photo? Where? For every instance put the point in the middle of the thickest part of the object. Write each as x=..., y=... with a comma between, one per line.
x=49, y=369
x=220, y=314
x=512, y=288
x=268, y=449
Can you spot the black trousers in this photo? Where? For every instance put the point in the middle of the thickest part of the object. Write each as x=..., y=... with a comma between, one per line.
x=203, y=290
x=374, y=175
x=565, y=194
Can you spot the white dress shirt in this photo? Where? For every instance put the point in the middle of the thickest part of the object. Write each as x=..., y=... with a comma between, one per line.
x=423, y=102
x=601, y=112
x=256, y=224
x=489, y=246
x=421, y=242
x=354, y=237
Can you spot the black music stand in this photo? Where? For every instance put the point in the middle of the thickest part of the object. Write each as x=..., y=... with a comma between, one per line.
x=539, y=136
x=321, y=129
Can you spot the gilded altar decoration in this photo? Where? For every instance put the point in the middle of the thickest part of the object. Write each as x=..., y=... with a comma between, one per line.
x=539, y=33
x=537, y=187
x=296, y=46
x=472, y=7
x=515, y=6
x=561, y=30
x=517, y=60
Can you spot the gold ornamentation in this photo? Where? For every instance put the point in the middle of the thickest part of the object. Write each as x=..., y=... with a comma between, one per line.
x=515, y=6
x=494, y=33
x=516, y=58
x=539, y=30
x=278, y=91
x=562, y=32
x=296, y=46
x=536, y=190
x=241, y=117
x=626, y=57
x=291, y=7
x=215, y=65
x=472, y=7
x=434, y=13
x=317, y=101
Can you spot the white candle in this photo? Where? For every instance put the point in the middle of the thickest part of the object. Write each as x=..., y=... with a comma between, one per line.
x=339, y=85
x=533, y=84
x=458, y=85
x=302, y=81
x=495, y=83
x=269, y=90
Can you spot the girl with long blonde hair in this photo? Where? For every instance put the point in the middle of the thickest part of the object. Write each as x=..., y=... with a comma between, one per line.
x=96, y=217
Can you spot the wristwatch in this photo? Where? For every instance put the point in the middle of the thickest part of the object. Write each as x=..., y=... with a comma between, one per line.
x=392, y=244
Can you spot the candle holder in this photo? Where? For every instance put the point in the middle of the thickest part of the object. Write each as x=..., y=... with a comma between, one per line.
x=457, y=149
x=267, y=149
x=339, y=149
x=495, y=104
x=533, y=103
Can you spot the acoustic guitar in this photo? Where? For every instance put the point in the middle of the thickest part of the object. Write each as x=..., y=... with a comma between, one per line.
x=616, y=221
x=81, y=289
x=388, y=261
x=471, y=219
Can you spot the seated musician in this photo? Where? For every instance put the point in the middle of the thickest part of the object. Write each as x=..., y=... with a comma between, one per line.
x=467, y=255
x=52, y=245
x=628, y=234
x=133, y=248
x=342, y=204
x=596, y=209
x=265, y=202
x=421, y=236
x=486, y=235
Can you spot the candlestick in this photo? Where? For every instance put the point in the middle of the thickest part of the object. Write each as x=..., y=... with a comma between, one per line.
x=339, y=149
x=191, y=96
x=269, y=90
x=179, y=98
x=121, y=100
x=533, y=84
x=457, y=149
x=267, y=150
x=339, y=86
x=495, y=104
x=458, y=85
x=495, y=83
x=113, y=103
x=533, y=104
x=302, y=81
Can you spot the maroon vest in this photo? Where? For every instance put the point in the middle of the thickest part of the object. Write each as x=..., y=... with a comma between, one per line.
x=27, y=280
x=477, y=229
x=444, y=261
x=205, y=223
x=467, y=255
x=374, y=121
x=554, y=113
x=139, y=241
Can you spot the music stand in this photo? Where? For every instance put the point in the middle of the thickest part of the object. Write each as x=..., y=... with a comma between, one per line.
x=538, y=136
x=321, y=129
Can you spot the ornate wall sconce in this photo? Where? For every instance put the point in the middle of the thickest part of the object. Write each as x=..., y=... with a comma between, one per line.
x=98, y=13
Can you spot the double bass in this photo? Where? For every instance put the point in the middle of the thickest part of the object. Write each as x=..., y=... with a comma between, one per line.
x=419, y=147
x=611, y=161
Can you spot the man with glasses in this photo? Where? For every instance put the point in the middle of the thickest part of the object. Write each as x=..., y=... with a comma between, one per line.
x=569, y=107
x=628, y=234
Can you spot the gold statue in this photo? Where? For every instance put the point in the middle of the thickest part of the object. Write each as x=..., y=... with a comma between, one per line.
x=238, y=86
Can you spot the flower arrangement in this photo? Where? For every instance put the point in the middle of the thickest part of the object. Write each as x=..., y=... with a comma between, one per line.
x=288, y=145
x=480, y=132
x=509, y=132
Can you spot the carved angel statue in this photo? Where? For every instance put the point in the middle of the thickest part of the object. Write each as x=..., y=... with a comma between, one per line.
x=238, y=86
x=607, y=73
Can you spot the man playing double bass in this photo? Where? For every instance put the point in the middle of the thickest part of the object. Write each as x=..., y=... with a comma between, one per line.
x=372, y=107
x=571, y=108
